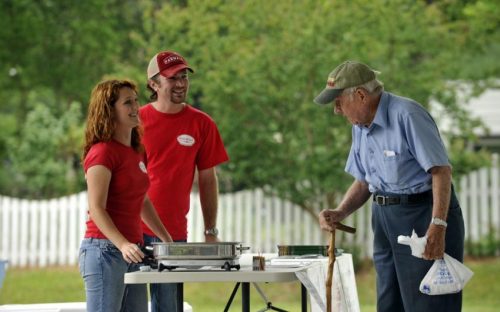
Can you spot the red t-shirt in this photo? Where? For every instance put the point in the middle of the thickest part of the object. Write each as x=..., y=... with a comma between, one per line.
x=127, y=188
x=175, y=145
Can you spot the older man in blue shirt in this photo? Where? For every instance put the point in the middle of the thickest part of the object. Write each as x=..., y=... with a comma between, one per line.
x=398, y=160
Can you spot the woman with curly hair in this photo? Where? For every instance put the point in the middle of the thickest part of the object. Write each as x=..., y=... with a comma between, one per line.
x=117, y=182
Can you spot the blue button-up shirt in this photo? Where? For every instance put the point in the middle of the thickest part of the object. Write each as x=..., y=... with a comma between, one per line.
x=395, y=153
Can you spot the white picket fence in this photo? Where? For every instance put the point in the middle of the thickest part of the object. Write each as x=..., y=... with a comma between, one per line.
x=48, y=232
x=479, y=195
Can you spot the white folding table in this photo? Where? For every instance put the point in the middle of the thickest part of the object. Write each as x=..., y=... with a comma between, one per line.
x=244, y=276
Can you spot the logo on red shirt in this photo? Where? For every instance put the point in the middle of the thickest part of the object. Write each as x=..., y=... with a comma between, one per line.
x=142, y=166
x=185, y=140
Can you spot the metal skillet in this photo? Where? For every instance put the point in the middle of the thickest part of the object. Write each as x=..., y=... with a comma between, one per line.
x=194, y=255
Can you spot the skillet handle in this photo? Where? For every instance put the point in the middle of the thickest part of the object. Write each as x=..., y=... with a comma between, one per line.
x=242, y=247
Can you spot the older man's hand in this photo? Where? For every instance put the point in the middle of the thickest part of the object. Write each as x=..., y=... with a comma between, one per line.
x=434, y=249
x=328, y=218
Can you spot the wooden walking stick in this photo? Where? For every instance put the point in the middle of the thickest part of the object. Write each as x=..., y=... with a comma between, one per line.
x=329, y=277
x=331, y=262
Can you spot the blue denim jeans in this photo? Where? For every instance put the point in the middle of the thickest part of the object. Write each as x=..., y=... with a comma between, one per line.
x=163, y=296
x=102, y=268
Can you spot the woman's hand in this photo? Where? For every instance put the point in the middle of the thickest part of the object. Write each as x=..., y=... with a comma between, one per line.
x=131, y=253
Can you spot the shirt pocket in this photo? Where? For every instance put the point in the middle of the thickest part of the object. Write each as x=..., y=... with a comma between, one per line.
x=393, y=165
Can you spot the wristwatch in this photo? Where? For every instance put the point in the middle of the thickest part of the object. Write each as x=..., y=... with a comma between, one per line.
x=213, y=231
x=438, y=221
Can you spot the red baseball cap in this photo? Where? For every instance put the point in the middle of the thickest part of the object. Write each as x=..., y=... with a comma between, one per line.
x=167, y=64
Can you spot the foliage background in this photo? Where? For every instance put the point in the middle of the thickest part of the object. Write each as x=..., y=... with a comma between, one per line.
x=258, y=65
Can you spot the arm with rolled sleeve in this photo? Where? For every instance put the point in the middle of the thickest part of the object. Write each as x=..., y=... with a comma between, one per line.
x=428, y=148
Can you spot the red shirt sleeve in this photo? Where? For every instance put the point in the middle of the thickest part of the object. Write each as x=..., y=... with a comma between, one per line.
x=99, y=154
x=212, y=152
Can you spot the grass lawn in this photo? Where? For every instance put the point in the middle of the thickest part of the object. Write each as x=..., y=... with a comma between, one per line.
x=63, y=284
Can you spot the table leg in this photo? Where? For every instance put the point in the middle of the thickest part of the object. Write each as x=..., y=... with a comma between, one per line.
x=180, y=297
x=230, y=301
x=245, y=297
x=303, y=296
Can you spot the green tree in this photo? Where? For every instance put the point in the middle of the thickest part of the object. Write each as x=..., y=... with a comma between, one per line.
x=53, y=53
x=45, y=156
x=473, y=27
x=63, y=46
x=259, y=64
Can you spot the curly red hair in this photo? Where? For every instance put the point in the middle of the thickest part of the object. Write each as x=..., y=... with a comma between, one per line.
x=100, y=121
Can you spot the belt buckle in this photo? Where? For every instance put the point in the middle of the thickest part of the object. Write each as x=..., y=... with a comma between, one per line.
x=380, y=200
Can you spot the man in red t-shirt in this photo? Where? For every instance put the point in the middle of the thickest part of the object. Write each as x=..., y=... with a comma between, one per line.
x=178, y=139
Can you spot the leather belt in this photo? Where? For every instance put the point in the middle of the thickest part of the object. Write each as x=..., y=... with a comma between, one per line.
x=394, y=199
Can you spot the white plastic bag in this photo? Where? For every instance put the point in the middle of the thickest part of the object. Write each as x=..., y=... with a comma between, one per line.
x=417, y=244
x=446, y=276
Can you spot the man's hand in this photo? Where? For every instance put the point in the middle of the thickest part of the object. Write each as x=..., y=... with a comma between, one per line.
x=328, y=218
x=435, y=242
x=211, y=239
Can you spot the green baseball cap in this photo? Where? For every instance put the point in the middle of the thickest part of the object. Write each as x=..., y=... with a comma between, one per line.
x=346, y=75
